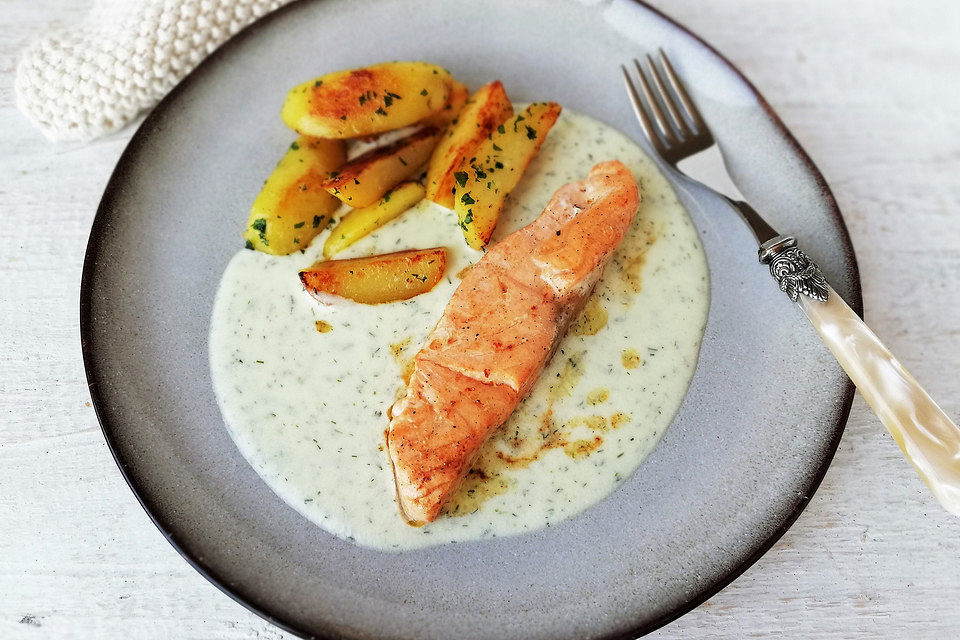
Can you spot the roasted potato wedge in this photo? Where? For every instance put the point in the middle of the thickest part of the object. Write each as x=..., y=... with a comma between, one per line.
x=361, y=102
x=459, y=93
x=361, y=222
x=293, y=206
x=486, y=109
x=484, y=180
x=365, y=179
x=376, y=279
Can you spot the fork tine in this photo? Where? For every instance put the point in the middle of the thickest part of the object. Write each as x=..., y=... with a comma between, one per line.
x=675, y=118
x=645, y=122
x=699, y=125
x=654, y=106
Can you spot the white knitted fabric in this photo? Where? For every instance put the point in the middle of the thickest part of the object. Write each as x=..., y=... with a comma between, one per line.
x=92, y=79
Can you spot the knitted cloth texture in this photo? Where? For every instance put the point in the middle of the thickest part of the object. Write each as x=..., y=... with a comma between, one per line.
x=94, y=78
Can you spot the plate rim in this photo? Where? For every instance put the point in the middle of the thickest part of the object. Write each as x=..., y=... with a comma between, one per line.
x=855, y=300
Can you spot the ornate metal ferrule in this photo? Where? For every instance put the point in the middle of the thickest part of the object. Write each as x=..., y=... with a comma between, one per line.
x=793, y=270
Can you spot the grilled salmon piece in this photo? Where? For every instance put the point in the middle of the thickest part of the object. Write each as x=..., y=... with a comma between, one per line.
x=498, y=331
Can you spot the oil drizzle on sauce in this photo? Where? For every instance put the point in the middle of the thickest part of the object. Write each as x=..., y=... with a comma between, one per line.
x=477, y=488
x=398, y=350
x=632, y=256
x=598, y=396
x=592, y=319
x=630, y=359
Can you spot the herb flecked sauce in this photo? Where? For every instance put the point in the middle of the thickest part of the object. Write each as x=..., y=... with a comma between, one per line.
x=304, y=389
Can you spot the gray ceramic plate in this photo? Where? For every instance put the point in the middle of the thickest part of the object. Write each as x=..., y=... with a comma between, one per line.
x=749, y=446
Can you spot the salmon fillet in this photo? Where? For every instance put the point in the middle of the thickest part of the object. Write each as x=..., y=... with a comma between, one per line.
x=497, y=333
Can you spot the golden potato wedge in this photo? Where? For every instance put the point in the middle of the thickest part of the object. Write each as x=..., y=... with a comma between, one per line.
x=361, y=102
x=361, y=222
x=486, y=109
x=459, y=93
x=293, y=206
x=376, y=279
x=484, y=180
x=365, y=179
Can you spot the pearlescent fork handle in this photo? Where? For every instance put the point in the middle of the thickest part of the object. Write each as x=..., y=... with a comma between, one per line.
x=929, y=439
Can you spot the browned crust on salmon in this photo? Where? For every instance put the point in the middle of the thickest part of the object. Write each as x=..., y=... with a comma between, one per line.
x=499, y=330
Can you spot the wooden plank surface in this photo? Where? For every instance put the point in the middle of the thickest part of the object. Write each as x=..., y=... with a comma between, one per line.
x=872, y=90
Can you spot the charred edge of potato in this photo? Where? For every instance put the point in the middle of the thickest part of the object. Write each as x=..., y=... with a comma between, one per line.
x=352, y=169
x=389, y=277
x=484, y=111
x=484, y=181
x=367, y=100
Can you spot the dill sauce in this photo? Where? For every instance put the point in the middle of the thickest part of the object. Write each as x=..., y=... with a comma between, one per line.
x=304, y=389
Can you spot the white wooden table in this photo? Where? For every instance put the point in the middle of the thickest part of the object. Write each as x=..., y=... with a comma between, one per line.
x=872, y=90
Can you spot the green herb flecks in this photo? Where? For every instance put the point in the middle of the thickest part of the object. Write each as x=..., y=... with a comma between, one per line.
x=467, y=220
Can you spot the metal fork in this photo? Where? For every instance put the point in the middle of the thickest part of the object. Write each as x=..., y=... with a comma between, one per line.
x=930, y=440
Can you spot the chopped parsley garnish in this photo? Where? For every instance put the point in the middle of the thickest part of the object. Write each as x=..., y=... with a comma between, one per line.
x=461, y=178
x=317, y=83
x=498, y=164
x=423, y=92
x=249, y=245
x=386, y=196
x=294, y=145
x=496, y=148
x=387, y=100
x=298, y=225
x=260, y=224
x=316, y=221
x=531, y=133
x=467, y=219
x=380, y=111
x=467, y=199
x=402, y=161
x=501, y=129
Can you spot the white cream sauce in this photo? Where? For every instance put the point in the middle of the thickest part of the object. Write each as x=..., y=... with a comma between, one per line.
x=308, y=409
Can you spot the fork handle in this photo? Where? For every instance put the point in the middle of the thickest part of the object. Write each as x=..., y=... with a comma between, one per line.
x=927, y=436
